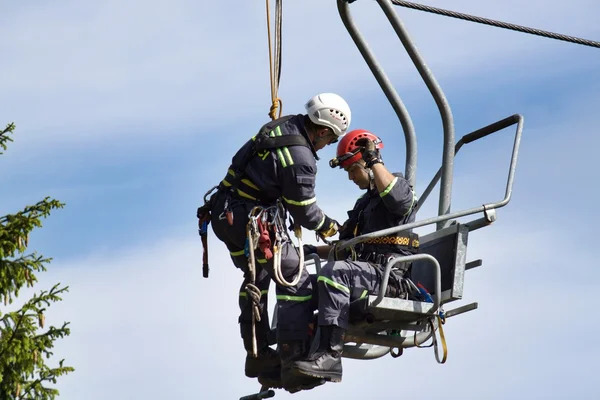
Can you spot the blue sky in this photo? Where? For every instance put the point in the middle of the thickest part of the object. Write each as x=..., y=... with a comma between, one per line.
x=129, y=112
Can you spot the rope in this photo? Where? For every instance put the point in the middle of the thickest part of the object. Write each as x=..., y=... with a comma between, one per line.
x=275, y=76
x=250, y=286
x=498, y=24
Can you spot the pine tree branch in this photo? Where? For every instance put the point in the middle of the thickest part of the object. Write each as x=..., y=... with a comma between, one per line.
x=4, y=138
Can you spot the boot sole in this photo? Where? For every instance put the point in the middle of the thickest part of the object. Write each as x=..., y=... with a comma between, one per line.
x=270, y=383
x=329, y=377
x=307, y=386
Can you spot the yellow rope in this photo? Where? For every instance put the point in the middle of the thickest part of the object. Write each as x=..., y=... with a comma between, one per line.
x=276, y=101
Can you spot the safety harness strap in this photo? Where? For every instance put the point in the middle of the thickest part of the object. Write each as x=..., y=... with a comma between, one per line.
x=263, y=142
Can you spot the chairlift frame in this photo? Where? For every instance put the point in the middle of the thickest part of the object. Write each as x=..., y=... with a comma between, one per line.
x=442, y=274
x=446, y=278
x=441, y=261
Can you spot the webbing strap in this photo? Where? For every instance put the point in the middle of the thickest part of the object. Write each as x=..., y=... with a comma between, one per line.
x=263, y=142
x=397, y=240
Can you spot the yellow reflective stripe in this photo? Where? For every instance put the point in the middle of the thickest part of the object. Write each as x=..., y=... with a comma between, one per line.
x=412, y=203
x=249, y=183
x=262, y=293
x=226, y=183
x=286, y=152
x=279, y=153
x=320, y=223
x=300, y=203
x=334, y=284
x=230, y=172
x=293, y=298
x=246, y=195
x=281, y=158
x=364, y=294
x=261, y=260
x=237, y=253
x=389, y=187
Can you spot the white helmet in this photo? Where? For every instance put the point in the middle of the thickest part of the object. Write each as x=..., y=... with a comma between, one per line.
x=330, y=110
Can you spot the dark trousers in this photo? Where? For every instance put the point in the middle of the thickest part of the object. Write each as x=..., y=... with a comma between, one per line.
x=294, y=304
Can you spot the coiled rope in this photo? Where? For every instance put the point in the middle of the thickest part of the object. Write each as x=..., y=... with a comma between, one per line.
x=275, y=65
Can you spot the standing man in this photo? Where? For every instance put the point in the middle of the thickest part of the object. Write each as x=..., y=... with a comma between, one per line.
x=277, y=169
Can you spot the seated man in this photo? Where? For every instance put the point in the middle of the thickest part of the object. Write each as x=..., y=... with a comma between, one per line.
x=389, y=201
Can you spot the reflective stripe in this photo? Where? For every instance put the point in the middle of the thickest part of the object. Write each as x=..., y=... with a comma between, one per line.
x=261, y=260
x=334, y=284
x=262, y=293
x=246, y=195
x=240, y=192
x=230, y=172
x=412, y=203
x=293, y=298
x=389, y=187
x=249, y=183
x=285, y=150
x=300, y=203
x=320, y=223
x=237, y=253
x=364, y=294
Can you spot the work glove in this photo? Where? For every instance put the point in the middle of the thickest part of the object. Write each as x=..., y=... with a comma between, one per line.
x=369, y=152
x=330, y=227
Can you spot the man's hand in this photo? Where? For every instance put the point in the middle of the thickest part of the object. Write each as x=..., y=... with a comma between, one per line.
x=330, y=227
x=369, y=152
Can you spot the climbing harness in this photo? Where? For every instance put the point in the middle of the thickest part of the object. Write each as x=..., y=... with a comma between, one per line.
x=275, y=65
x=262, y=223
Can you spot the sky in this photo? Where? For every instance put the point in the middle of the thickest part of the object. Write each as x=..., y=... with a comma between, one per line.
x=130, y=111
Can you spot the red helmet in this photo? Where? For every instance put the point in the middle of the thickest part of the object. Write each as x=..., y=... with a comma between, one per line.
x=348, y=152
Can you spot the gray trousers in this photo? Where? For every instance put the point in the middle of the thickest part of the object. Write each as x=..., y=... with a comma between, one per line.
x=294, y=304
x=340, y=283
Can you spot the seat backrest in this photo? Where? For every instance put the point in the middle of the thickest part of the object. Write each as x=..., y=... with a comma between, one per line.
x=449, y=247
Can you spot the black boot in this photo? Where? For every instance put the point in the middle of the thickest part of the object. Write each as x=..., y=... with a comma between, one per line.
x=326, y=362
x=291, y=351
x=267, y=365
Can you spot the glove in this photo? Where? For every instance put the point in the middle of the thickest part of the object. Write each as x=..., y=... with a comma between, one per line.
x=309, y=249
x=330, y=227
x=369, y=152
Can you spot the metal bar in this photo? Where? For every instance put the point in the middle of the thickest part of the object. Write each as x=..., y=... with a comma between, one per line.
x=473, y=264
x=258, y=396
x=471, y=137
x=440, y=100
x=457, y=311
x=316, y=260
x=386, y=277
x=387, y=340
x=409, y=132
x=364, y=351
x=479, y=223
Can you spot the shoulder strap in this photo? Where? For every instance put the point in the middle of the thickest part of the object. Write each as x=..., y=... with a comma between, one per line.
x=263, y=141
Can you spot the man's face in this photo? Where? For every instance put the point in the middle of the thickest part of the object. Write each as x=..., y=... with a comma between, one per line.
x=325, y=137
x=358, y=174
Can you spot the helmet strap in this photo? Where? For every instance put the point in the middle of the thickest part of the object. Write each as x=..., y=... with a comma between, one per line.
x=371, y=178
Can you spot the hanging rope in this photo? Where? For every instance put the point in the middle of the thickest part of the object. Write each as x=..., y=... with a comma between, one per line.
x=498, y=24
x=275, y=65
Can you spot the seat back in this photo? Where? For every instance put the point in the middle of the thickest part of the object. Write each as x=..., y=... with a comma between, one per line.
x=449, y=247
